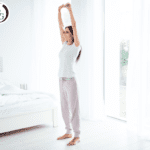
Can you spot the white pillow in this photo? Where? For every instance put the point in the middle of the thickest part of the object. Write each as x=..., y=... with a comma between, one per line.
x=11, y=89
x=5, y=82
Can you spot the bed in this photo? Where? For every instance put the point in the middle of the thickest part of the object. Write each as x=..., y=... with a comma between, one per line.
x=21, y=108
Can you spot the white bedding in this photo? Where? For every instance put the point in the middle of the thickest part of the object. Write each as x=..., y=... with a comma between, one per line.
x=26, y=108
x=10, y=95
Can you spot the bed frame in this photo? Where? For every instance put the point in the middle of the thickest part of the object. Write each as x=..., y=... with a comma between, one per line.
x=29, y=119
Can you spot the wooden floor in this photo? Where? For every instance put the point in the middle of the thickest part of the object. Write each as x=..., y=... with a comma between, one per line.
x=111, y=135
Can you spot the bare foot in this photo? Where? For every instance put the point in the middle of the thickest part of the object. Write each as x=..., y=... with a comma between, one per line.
x=65, y=136
x=74, y=141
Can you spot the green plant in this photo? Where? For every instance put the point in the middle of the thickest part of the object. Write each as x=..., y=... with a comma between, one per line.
x=124, y=57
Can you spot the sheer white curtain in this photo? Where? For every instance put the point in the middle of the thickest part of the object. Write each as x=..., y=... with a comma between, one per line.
x=46, y=44
x=36, y=43
x=96, y=101
x=138, y=75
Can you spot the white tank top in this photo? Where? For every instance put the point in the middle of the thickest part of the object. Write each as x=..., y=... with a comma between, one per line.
x=67, y=58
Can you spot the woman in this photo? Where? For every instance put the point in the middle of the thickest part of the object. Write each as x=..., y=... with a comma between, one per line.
x=69, y=95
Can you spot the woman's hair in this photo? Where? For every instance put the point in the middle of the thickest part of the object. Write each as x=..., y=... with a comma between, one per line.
x=71, y=30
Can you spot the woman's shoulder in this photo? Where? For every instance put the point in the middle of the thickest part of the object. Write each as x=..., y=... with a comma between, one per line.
x=78, y=47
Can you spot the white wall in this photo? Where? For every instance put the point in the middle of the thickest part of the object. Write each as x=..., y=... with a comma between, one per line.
x=15, y=45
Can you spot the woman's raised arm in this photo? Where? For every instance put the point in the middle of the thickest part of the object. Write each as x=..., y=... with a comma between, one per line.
x=59, y=15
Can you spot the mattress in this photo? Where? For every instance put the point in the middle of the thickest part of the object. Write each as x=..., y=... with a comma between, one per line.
x=15, y=101
x=27, y=107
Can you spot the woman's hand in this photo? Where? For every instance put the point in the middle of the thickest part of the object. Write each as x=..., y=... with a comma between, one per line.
x=60, y=7
x=68, y=6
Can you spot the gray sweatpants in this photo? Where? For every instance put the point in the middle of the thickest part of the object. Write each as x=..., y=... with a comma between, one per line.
x=69, y=97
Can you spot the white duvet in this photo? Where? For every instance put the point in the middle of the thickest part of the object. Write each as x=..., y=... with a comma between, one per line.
x=10, y=94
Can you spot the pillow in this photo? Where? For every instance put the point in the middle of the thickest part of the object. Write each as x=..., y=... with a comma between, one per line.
x=11, y=89
x=4, y=82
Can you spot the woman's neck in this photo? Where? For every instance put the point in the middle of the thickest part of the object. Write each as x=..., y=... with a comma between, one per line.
x=70, y=42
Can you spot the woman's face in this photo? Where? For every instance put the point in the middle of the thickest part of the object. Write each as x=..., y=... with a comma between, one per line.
x=67, y=34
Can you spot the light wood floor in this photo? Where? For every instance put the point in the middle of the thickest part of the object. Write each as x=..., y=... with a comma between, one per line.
x=111, y=135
